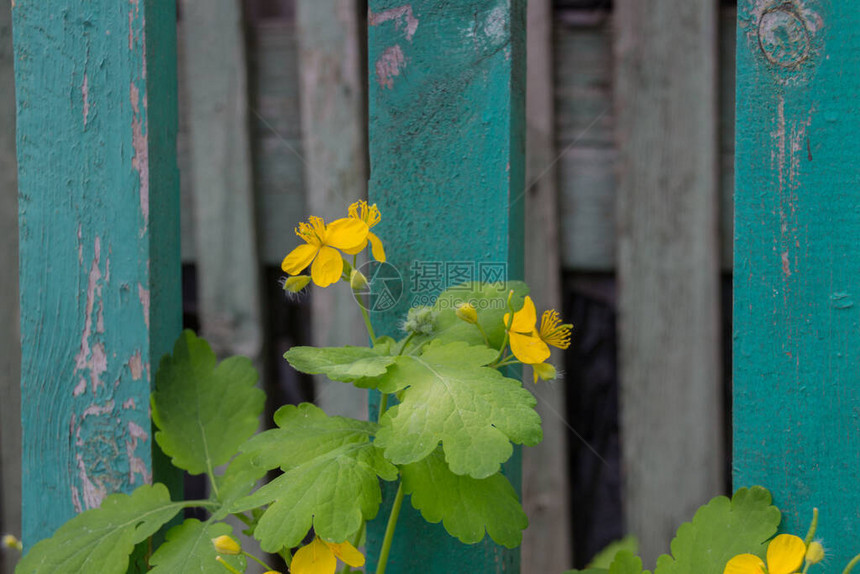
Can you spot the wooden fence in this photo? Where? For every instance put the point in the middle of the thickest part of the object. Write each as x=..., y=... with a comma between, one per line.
x=629, y=171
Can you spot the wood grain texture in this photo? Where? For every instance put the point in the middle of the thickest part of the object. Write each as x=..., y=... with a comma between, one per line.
x=797, y=263
x=10, y=343
x=547, y=541
x=447, y=135
x=668, y=263
x=220, y=177
x=99, y=244
x=335, y=151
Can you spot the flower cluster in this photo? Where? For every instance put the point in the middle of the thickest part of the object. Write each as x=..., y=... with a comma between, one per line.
x=324, y=244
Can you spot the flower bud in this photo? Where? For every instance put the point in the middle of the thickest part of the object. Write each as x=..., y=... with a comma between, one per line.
x=358, y=281
x=12, y=542
x=544, y=371
x=420, y=320
x=296, y=283
x=815, y=552
x=467, y=312
x=226, y=545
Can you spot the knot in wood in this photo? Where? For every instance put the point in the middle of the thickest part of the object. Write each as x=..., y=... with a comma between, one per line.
x=783, y=36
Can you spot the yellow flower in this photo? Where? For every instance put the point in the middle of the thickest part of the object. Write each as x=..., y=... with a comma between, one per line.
x=320, y=557
x=785, y=555
x=321, y=244
x=530, y=346
x=370, y=215
x=544, y=371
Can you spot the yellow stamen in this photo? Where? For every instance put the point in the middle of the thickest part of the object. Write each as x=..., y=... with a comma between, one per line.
x=552, y=332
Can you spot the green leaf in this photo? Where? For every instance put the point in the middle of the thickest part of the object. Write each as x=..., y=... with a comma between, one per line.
x=604, y=558
x=720, y=530
x=331, y=480
x=101, y=539
x=452, y=397
x=188, y=549
x=489, y=299
x=238, y=480
x=345, y=364
x=626, y=563
x=304, y=432
x=466, y=506
x=205, y=410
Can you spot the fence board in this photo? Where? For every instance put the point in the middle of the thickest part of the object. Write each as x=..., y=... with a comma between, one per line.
x=221, y=181
x=797, y=260
x=668, y=263
x=10, y=344
x=547, y=541
x=335, y=151
x=99, y=244
x=447, y=115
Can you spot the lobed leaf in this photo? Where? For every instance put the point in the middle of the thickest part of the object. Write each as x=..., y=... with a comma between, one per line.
x=331, y=479
x=345, y=364
x=101, y=539
x=188, y=549
x=720, y=530
x=204, y=410
x=452, y=398
x=466, y=506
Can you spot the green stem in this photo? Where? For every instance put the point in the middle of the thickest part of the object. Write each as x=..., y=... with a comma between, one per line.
x=851, y=565
x=483, y=333
x=383, y=406
x=258, y=561
x=406, y=342
x=389, y=530
x=367, y=324
x=227, y=566
x=286, y=555
x=813, y=526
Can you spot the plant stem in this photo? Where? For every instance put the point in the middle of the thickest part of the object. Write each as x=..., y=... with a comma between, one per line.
x=257, y=560
x=286, y=555
x=483, y=333
x=406, y=342
x=367, y=324
x=812, y=527
x=389, y=530
x=851, y=565
x=383, y=406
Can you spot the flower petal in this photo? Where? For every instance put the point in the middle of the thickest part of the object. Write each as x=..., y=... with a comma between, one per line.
x=346, y=234
x=745, y=564
x=299, y=258
x=327, y=267
x=528, y=348
x=785, y=554
x=347, y=553
x=544, y=371
x=376, y=247
x=524, y=320
x=315, y=558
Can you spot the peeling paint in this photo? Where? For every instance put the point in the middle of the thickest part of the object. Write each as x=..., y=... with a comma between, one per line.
x=136, y=464
x=80, y=388
x=93, y=291
x=129, y=404
x=402, y=16
x=135, y=365
x=388, y=66
x=98, y=365
x=143, y=295
x=93, y=494
x=140, y=161
x=85, y=92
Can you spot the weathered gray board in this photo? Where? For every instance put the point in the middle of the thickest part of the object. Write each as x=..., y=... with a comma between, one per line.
x=546, y=543
x=10, y=346
x=333, y=112
x=668, y=263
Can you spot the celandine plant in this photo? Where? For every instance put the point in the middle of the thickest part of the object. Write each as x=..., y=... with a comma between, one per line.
x=728, y=536
x=455, y=421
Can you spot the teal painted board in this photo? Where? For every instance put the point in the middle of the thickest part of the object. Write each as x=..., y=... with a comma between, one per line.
x=446, y=95
x=99, y=244
x=797, y=263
